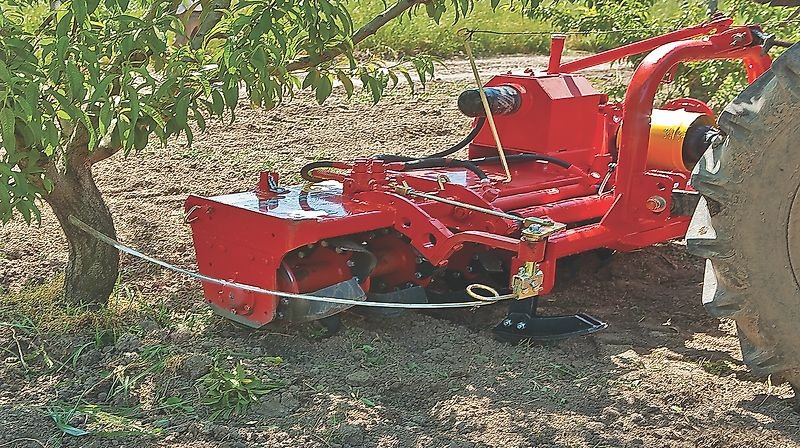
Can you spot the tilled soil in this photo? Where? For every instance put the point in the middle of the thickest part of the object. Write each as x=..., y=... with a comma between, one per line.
x=664, y=374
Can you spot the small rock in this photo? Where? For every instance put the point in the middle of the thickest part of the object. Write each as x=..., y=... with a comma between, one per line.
x=610, y=415
x=195, y=366
x=90, y=357
x=270, y=406
x=351, y=435
x=359, y=378
x=637, y=418
x=289, y=401
x=180, y=335
x=595, y=426
x=128, y=342
x=149, y=326
x=434, y=353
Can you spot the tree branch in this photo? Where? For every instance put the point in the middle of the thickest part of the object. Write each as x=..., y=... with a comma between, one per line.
x=102, y=153
x=362, y=33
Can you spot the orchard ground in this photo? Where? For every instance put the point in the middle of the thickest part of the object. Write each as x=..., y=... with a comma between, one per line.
x=143, y=372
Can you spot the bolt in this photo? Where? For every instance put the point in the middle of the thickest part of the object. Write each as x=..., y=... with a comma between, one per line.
x=339, y=250
x=323, y=243
x=418, y=275
x=521, y=326
x=284, y=301
x=279, y=315
x=301, y=254
x=476, y=257
x=350, y=263
x=310, y=246
x=470, y=269
x=419, y=260
x=230, y=296
x=656, y=204
x=456, y=274
x=507, y=322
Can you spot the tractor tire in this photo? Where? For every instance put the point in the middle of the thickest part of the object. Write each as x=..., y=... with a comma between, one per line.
x=747, y=224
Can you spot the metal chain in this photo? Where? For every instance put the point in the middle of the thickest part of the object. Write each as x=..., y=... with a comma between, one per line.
x=244, y=287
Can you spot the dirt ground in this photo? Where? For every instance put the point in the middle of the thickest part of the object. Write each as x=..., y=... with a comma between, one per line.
x=664, y=374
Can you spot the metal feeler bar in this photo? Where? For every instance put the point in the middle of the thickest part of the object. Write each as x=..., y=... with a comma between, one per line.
x=487, y=109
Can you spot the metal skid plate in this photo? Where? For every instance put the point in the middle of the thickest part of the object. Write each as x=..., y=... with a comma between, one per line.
x=522, y=323
x=523, y=326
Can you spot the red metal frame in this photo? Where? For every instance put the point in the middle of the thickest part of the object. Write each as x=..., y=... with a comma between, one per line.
x=247, y=237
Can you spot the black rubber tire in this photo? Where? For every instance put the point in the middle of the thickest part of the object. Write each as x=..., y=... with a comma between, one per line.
x=748, y=223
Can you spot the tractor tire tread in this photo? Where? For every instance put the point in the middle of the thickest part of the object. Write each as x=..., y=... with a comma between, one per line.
x=734, y=230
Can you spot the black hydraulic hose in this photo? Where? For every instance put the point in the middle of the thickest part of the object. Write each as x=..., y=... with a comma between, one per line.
x=449, y=151
x=523, y=157
x=460, y=145
x=441, y=162
x=305, y=171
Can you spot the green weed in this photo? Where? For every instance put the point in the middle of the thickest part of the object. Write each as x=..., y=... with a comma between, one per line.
x=231, y=392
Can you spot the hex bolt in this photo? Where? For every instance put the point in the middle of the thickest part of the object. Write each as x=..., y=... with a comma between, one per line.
x=418, y=275
x=419, y=260
x=521, y=326
x=350, y=263
x=470, y=269
x=339, y=250
x=284, y=301
x=301, y=254
x=507, y=322
x=656, y=204
x=323, y=243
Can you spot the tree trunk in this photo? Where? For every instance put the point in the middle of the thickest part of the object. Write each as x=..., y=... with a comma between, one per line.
x=93, y=266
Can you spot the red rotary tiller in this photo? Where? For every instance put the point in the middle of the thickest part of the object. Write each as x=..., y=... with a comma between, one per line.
x=579, y=172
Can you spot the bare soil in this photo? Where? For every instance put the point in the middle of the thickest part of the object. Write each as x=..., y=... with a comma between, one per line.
x=664, y=374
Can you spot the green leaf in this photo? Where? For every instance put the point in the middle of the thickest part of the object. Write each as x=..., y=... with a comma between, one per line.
x=217, y=103
x=231, y=94
x=311, y=79
x=79, y=7
x=75, y=81
x=7, y=129
x=346, y=82
x=91, y=6
x=133, y=114
x=324, y=88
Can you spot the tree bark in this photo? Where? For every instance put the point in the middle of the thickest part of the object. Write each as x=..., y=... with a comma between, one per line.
x=92, y=266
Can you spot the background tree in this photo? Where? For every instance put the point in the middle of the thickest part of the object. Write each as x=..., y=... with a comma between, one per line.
x=81, y=80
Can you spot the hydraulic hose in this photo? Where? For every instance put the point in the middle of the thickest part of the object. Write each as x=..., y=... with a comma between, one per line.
x=305, y=171
x=447, y=152
x=441, y=162
x=523, y=157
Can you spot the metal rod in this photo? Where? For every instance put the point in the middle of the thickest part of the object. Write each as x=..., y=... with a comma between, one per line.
x=487, y=109
x=477, y=208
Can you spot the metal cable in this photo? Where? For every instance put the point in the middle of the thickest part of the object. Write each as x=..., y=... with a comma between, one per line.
x=244, y=287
